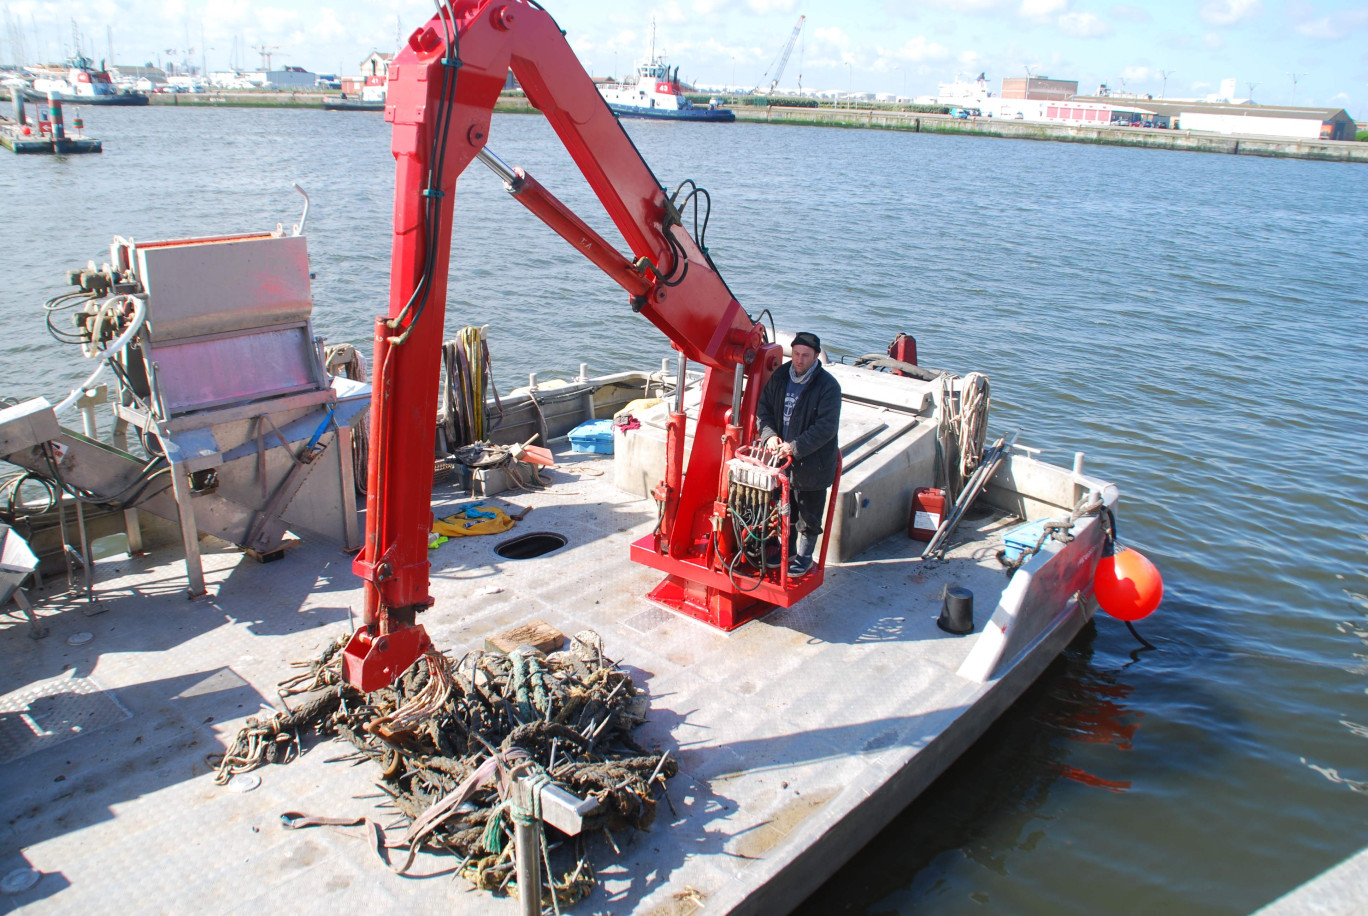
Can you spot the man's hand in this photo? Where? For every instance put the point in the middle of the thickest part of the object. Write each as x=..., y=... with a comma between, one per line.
x=786, y=449
x=773, y=443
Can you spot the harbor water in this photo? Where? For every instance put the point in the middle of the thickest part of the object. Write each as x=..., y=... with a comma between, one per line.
x=1194, y=323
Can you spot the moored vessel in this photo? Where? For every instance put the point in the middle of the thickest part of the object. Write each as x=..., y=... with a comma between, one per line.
x=797, y=727
x=80, y=80
x=656, y=93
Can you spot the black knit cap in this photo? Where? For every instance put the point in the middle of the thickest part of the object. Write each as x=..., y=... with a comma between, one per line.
x=806, y=339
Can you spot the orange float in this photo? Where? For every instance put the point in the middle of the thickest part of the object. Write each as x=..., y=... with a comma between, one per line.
x=1127, y=585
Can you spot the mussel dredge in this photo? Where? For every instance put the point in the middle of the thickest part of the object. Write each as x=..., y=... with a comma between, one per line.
x=572, y=662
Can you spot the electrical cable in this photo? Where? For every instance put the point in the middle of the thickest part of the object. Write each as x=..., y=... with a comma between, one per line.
x=773, y=336
x=436, y=166
x=10, y=487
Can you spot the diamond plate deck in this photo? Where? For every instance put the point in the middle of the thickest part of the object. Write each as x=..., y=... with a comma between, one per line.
x=50, y=712
x=798, y=734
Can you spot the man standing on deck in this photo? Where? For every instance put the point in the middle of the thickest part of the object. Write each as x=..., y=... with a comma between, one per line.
x=798, y=414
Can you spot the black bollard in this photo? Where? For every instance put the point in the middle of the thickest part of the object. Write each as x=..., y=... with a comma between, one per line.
x=957, y=613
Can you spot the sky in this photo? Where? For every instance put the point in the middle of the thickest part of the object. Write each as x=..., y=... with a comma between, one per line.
x=1302, y=52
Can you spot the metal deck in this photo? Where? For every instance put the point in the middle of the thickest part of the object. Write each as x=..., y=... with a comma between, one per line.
x=799, y=735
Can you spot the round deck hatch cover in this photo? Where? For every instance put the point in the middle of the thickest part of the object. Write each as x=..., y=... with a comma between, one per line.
x=244, y=782
x=19, y=880
x=536, y=544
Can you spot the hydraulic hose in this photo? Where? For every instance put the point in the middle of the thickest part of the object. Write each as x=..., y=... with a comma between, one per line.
x=107, y=354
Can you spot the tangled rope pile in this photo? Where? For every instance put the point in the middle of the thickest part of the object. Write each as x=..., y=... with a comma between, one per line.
x=963, y=428
x=1061, y=529
x=450, y=738
x=345, y=360
x=484, y=455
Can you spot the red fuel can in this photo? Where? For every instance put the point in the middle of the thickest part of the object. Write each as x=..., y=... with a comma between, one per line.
x=928, y=509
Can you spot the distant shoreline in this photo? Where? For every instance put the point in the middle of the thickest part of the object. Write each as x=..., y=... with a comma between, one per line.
x=1148, y=138
x=890, y=119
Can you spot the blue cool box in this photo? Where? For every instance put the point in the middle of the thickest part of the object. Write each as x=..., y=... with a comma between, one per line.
x=1023, y=537
x=594, y=436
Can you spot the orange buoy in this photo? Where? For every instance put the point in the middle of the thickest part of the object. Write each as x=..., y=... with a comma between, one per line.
x=1127, y=585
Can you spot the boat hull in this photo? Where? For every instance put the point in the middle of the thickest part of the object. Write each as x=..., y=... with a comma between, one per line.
x=352, y=105
x=123, y=98
x=716, y=115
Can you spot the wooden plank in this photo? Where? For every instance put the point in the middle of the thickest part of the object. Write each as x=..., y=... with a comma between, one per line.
x=538, y=633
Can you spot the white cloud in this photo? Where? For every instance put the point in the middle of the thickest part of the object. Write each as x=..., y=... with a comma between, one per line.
x=705, y=7
x=1083, y=25
x=961, y=6
x=1043, y=9
x=1136, y=74
x=1213, y=42
x=1130, y=13
x=920, y=49
x=1335, y=26
x=671, y=13
x=772, y=6
x=1230, y=12
x=970, y=59
x=833, y=34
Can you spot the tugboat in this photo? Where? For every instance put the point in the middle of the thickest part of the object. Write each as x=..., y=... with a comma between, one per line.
x=656, y=94
x=79, y=80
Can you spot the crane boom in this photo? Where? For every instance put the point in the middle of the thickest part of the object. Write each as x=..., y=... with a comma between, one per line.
x=443, y=85
x=783, y=59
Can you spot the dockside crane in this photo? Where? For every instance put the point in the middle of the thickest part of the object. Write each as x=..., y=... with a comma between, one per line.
x=266, y=52
x=782, y=60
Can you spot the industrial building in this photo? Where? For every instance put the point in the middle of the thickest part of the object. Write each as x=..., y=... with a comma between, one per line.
x=1044, y=100
x=1248, y=119
x=1038, y=87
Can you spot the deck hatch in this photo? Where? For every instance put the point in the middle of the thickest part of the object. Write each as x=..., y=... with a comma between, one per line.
x=536, y=544
x=51, y=712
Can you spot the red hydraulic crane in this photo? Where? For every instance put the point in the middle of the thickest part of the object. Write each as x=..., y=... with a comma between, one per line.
x=442, y=88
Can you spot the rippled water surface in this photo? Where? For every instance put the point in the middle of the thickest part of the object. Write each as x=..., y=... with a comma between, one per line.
x=1194, y=323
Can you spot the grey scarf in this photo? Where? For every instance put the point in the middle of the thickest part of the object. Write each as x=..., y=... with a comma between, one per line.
x=805, y=377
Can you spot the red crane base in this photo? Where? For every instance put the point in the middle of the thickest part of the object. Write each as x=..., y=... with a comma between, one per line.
x=371, y=661
x=704, y=594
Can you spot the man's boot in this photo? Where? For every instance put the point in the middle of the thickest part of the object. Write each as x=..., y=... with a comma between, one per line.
x=802, y=558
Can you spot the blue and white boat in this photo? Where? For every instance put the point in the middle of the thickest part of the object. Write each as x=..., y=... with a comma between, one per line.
x=656, y=94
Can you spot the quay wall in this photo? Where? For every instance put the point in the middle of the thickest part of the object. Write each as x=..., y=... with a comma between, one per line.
x=884, y=119
x=1150, y=138
x=268, y=99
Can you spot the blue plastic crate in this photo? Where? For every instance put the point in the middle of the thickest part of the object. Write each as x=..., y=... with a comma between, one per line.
x=1023, y=538
x=595, y=436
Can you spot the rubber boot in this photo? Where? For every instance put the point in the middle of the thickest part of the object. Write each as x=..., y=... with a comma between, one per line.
x=802, y=558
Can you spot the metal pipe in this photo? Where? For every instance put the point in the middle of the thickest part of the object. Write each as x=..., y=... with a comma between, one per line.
x=498, y=167
x=303, y=217
x=529, y=867
x=88, y=419
x=738, y=380
x=681, y=373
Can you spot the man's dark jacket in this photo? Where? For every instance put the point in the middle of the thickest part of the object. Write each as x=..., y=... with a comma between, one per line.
x=812, y=428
